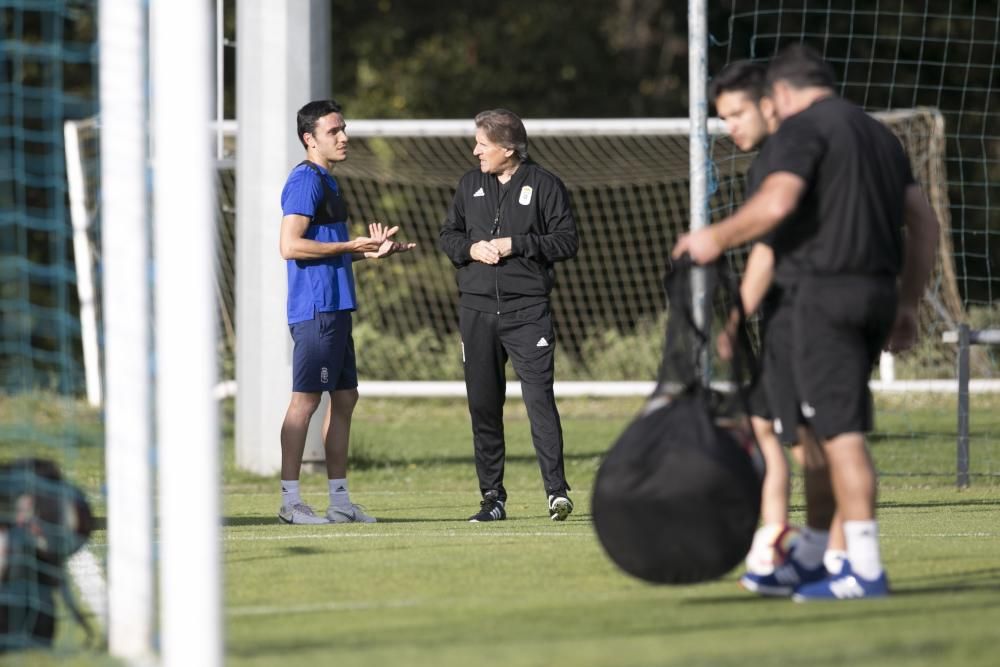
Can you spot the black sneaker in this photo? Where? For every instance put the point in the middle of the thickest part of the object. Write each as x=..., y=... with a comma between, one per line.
x=560, y=506
x=490, y=509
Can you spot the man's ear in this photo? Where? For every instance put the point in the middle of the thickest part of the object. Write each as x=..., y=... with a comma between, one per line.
x=766, y=105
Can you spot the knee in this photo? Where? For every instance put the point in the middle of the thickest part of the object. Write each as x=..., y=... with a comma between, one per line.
x=343, y=401
x=304, y=404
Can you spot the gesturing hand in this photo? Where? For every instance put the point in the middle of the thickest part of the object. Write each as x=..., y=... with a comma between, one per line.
x=378, y=236
x=390, y=248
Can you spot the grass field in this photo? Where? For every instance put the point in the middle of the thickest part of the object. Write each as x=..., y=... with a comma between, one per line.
x=423, y=587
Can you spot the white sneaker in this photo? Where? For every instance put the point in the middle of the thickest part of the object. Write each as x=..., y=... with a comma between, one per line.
x=352, y=514
x=559, y=507
x=300, y=513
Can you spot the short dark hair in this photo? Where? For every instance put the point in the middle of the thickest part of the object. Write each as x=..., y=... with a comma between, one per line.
x=310, y=114
x=504, y=128
x=741, y=76
x=801, y=66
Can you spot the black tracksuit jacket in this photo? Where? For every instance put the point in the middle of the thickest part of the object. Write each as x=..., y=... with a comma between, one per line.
x=534, y=212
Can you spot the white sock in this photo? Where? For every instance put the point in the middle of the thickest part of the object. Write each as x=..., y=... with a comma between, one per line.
x=833, y=560
x=862, y=548
x=810, y=547
x=290, y=492
x=339, y=495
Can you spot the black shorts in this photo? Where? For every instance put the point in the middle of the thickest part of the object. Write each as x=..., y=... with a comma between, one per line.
x=775, y=396
x=840, y=326
x=323, y=356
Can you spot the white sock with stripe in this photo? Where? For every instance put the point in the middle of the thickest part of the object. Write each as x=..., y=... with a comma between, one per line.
x=290, y=492
x=339, y=495
x=862, y=548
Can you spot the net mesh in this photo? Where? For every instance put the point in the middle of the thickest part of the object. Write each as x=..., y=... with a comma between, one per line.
x=902, y=55
x=47, y=76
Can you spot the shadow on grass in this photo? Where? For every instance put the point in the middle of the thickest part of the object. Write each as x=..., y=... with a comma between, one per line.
x=968, y=502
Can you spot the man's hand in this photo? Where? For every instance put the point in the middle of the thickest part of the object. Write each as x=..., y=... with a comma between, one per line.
x=503, y=246
x=389, y=248
x=904, y=331
x=377, y=235
x=485, y=252
x=702, y=245
x=726, y=339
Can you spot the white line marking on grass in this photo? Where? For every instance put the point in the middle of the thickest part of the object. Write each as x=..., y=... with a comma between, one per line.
x=235, y=491
x=908, y=535
x=269, y=610
x=338, y=536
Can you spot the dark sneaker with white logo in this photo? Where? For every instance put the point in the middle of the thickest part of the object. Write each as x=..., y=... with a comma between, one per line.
x=560, y=506
x=490, y=509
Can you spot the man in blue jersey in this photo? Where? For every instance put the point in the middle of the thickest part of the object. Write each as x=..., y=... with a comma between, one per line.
x=316, y=243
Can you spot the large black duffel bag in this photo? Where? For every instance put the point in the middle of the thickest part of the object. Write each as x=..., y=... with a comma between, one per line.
x=677, y=498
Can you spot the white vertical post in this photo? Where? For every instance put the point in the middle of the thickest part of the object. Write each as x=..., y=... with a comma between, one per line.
x=184, y=242
x=283, y=63
x=220, y=77
x=128, y=409
x=80, y=218
x=698, y=114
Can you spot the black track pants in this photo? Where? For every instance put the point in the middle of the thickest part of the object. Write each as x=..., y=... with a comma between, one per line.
x=527, y=338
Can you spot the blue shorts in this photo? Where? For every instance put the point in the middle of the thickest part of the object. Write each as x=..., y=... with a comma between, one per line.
x=323, y=356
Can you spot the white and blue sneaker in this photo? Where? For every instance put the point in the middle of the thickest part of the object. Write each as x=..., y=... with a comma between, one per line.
x=783, y=581
x=843, y=586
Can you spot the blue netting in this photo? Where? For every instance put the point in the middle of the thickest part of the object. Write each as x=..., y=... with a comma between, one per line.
x=47, y=76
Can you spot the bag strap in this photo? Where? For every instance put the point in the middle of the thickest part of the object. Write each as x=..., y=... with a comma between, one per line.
x=74, y=610
x=685, y=341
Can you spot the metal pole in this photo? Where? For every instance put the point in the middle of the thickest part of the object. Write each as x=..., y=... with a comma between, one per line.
x=962, y=462
x=220, y=79
x=128, y=416
x=187, y=414
x=698, y=115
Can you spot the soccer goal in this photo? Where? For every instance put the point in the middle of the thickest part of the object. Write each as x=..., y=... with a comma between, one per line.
x=628, y=180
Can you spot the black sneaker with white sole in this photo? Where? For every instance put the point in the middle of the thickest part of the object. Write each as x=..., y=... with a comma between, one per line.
x=560, y=506
x=490, y=509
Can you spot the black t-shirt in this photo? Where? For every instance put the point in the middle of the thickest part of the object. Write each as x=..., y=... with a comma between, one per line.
x=791, y=233
x=850, y=218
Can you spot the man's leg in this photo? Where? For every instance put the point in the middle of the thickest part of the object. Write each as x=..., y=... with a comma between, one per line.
x=805, y=563
x=774, y=494
x=529, y=338
x=854, y=485
x=337, y=431
x=483, y=362
x=293, y=432
x=773, y=500
x=293, y=443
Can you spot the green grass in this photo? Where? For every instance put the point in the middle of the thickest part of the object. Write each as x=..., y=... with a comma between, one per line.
x=423, y=587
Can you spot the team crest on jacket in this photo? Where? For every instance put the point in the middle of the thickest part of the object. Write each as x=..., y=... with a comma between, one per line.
x=525, y=197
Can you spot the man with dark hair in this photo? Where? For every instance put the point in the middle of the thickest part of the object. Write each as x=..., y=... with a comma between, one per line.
x=739, y=92
x=316, y=244
x=847, y=180
x=509, y=223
